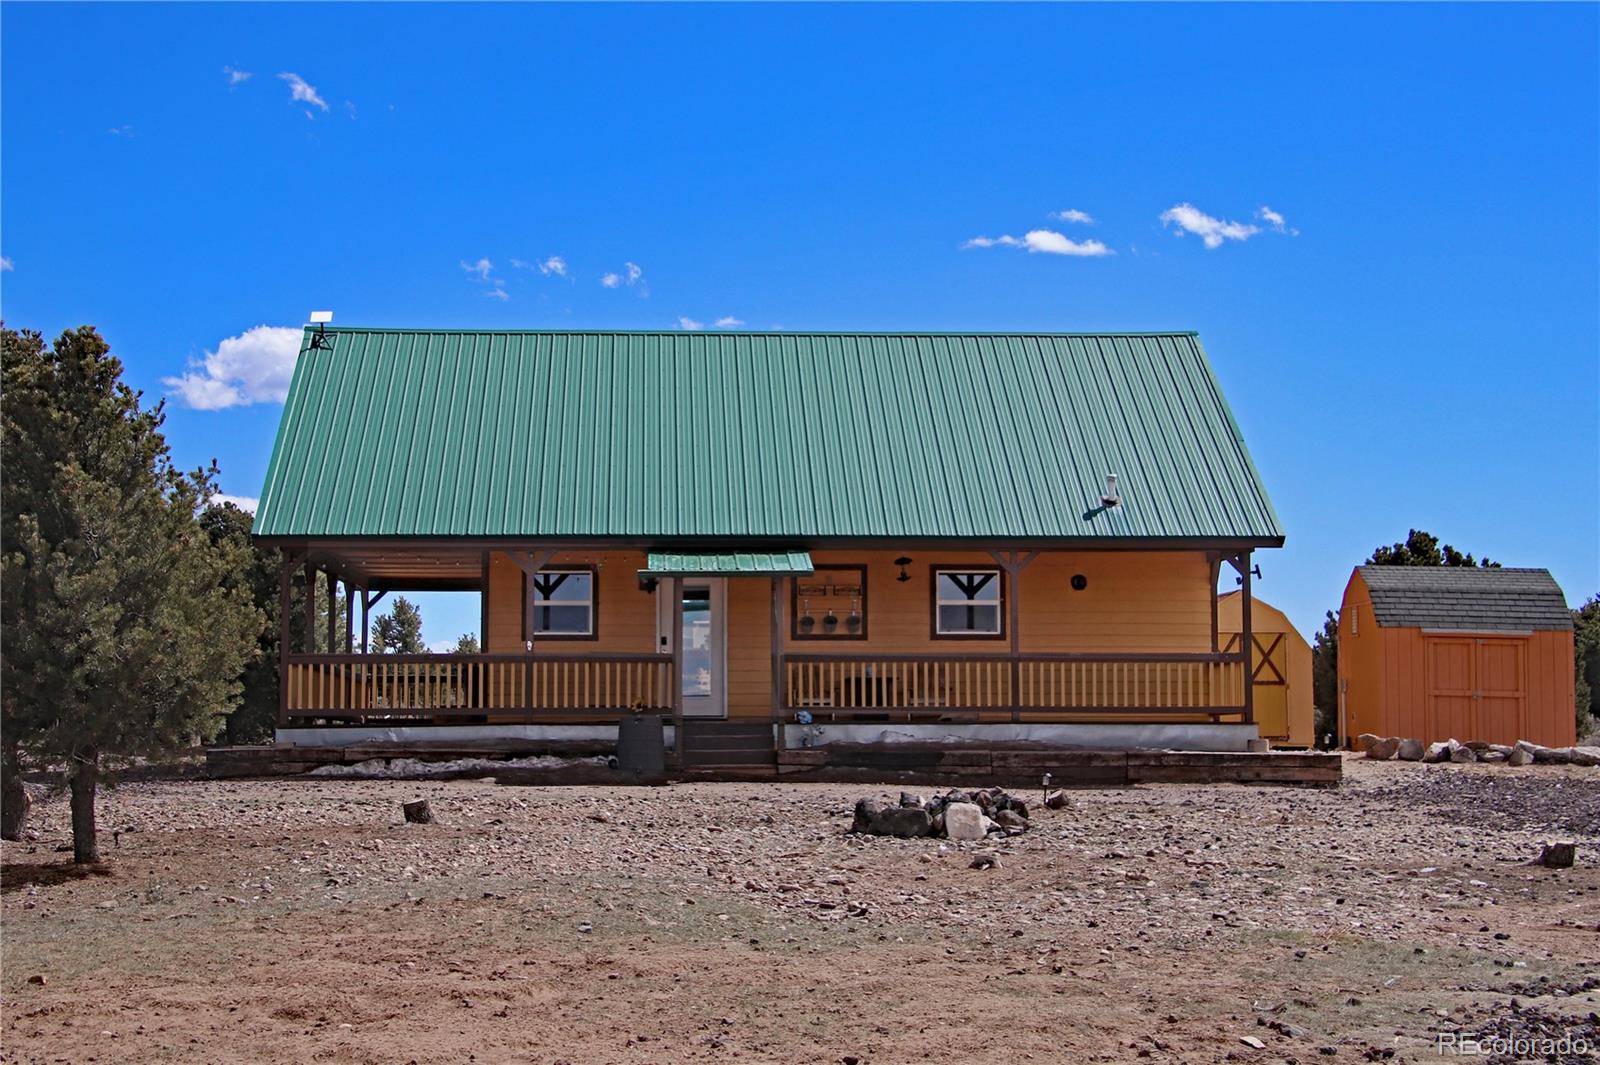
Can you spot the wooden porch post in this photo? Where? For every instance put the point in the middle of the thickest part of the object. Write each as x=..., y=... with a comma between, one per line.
x=483, y=607
x=1214, y=565
x=349, y=619
x=530, y=563
x=284, y=608
x=677, y=670
x=1247, y=638
x=333, y=612
x=311, y=609
x=777, y=663
x=1014, y=562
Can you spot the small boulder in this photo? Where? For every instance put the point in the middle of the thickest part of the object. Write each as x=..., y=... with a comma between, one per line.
x=905, y=822
x=1558, y=855
x=1366, y=740
x=1012, y=822
x=1462, y=754
x=418, y=813
x=1409, y=751
x=1437, y=752
x=909, y=800
x=1383, y=748
x=964, y=821
x=1491, y=756
x=1056, y=800
x=866, y=810
x=985, y=861
x=1519, y=755
x=1587, y=756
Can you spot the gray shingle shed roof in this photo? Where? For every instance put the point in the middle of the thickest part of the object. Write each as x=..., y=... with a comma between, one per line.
x=1451, y=597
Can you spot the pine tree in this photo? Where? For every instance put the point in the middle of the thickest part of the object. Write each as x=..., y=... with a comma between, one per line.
x=399, y=632
x=122, y=638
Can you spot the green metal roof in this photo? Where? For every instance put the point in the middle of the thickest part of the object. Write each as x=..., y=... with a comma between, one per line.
x=738, y=564
x=741, y=437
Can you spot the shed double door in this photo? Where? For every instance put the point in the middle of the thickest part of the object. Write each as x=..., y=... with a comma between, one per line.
x=1477, y=688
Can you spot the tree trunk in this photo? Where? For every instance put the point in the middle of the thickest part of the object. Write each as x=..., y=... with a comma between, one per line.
x=14, y=801
x=85, y=778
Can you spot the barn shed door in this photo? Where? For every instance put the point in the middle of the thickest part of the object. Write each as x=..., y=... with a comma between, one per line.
x=1477, y=688
x=1271, y=680
x=1502, y=690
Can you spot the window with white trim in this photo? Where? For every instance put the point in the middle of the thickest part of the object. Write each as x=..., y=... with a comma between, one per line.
x=967, y=602
x=563, y=603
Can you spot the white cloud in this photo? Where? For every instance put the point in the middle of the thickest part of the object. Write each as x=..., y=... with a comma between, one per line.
x=611, y=280
x=499, y=292
x=1275, y=221
x=244, y=503
x=6, y=264
x=237, y=77
x=121, y=131
x=253, y=367
x=554, y=265
x=690, y=324
x=728, y=321
x=300, y=91
x=1213, y=232
x=634, y=273
x=1044, y=240
x=1071, y=215
x=483, y=267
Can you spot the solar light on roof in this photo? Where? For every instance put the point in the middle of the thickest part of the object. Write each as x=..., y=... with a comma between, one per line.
x=321, y=317
x=320, y=340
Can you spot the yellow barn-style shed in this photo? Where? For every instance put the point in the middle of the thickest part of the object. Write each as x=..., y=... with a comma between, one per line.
x=1435, y=653
x=1284, y=706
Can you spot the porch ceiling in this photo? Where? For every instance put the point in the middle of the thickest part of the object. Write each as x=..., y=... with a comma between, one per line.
x=384, y=568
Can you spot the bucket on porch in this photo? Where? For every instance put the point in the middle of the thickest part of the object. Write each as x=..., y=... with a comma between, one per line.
x=642, y=747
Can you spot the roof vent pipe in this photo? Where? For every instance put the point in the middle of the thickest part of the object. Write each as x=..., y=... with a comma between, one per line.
x=1111, y=498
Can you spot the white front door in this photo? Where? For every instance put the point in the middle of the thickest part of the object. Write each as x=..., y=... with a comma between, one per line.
x=705, y=641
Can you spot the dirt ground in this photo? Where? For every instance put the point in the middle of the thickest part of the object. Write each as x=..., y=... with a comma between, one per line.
x=303, y=921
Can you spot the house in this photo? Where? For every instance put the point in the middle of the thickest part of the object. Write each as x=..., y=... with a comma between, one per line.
x=1285, y=706
x=810, y=536
x=1436, y=652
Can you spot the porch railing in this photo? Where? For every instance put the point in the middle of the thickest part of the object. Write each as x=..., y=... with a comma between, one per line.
x=940, y=686
x=504, y=688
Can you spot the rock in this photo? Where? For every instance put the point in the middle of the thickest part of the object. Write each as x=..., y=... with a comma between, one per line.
x=985, y=861
x=1547, y=755
x=909, y=800
x=1437, y=752
x=1366, y=740
x=1019, y=807
x=1250, y=1040
x=1012, y=822
x=866, y=810
x=1558, y=855
x=964, y=821
x=1383, y=748
x=989, y=825
x=904, y=822
x=1491, y=756
x=1462, y=754
x=1056, y=800
x=1409, y=751
x=1589, y=756
x=1519, y=755
x=38, y=978
x=418, y=812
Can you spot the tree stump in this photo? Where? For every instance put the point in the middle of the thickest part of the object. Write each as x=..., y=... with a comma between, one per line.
x=418, y=813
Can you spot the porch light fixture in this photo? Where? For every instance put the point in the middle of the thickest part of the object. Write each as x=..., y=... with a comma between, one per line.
x=1111, y=498
x=903, y=562
x=1255, y=571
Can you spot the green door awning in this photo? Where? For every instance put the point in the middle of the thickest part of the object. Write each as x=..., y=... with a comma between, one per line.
x=734, y=564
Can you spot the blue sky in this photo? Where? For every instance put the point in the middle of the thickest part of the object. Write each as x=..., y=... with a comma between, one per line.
x=1411, y=336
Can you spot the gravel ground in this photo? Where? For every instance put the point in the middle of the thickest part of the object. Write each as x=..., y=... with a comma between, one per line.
x=303, y=921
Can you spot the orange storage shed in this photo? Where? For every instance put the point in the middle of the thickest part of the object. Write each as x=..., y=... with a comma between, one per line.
x=1435, y=653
